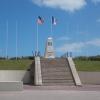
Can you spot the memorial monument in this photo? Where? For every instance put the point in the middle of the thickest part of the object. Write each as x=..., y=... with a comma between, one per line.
x=49, y=50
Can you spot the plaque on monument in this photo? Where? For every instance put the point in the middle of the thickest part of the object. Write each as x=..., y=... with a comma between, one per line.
x=49, y=50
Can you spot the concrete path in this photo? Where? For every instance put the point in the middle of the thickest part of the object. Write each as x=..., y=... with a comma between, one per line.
x=53, y=93
x=50, y=95
x=66, y=88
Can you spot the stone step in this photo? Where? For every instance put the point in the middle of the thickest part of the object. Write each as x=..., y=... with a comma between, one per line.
x=58, y=84
x=54, y=62
x=54, y=70
x=50, y=75
x=57, y=81
x=56, y=73
x=58, y=77
x=65, y=78
x=60, y=59
x=56, y=65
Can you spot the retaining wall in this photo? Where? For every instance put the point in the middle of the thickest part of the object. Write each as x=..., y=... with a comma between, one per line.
x=92, y=78
x=14, y=75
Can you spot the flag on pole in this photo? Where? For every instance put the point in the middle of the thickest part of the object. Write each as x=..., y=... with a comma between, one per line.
x=40, y=20
x=54, y=21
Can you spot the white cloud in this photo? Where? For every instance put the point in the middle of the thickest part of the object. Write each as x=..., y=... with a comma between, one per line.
x=95, y=42
x=98, y=20
x=67, y=5
x=77, y=47
x=96, y=1
x=64, y=38
x=73, y=47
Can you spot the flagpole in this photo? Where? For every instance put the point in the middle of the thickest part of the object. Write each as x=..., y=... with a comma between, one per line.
x=7, y=40
x=0, y=39
x=86, y=40
x=0, y=42
x=51, y=28
x=16, y=38
x=37, y=39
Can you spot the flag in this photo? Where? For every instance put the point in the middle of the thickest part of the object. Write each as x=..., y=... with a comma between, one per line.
x=40, y=20
x=54, y=20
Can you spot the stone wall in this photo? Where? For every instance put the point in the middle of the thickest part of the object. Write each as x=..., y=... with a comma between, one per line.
x=14, y=75
x=92, y=78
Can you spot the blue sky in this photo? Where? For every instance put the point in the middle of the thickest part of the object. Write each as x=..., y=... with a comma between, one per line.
x=77, y=29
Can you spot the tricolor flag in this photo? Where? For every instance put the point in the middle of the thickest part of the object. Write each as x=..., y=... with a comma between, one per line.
x=40, y=20
x=54, y=21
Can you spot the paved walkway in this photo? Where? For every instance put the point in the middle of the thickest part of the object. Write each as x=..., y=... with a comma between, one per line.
x=53, y=93
x=50, y=95
x=67, y=88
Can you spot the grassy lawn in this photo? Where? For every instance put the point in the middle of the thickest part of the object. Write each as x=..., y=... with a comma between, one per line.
x=15, y=64
x=82, y=65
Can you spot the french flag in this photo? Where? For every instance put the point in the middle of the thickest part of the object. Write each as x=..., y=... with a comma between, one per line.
x=54, y=20
x=40, y=20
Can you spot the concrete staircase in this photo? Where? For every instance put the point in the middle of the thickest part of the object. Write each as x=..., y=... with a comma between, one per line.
x=56, y=72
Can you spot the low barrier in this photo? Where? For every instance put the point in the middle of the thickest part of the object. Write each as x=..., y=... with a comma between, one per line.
x=12, y=80
x=11, y=86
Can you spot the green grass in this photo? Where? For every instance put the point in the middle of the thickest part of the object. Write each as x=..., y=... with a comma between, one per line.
x=82, y=65
x=15, y=64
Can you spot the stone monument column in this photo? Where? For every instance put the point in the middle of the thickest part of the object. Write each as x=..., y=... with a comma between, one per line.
x=49, y=50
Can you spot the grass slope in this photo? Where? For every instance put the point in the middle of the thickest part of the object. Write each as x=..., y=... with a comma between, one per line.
x=82, y=65
x=15, y=64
